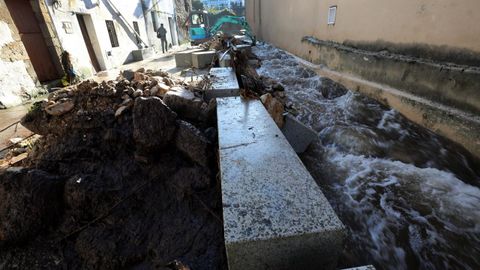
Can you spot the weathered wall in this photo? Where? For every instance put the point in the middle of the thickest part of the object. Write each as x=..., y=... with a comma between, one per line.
x=419, y=55
x=17, y=77
x=425, y=47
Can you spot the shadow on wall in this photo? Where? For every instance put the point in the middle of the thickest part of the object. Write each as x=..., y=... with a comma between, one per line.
x=113, y=10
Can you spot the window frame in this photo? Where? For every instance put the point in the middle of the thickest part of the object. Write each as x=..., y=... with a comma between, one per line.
x=332, y=17
x=112, y=33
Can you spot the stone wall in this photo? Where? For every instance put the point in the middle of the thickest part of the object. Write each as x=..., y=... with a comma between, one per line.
x=17, y=77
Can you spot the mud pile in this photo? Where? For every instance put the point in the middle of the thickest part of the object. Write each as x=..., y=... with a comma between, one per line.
x=124, y=176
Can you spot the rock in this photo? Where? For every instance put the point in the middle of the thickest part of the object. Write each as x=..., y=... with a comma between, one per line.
x=31, y=201
x=128, y=74
x=160, y=89
x=120, y=110
x=160, y=73
x=163, y=88
x=147, y=92
x=141, y=70
x=331, y=89
x=153, y=123
x=137, y=93
x=168, y=81
x=183, y=102
x=274, y=108
x=137, y=76
x=191, y=142
x=60, y=107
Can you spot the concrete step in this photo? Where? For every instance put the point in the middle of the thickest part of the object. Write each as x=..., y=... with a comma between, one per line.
x=183, y=59
x=224, y=83
x=298, y=135
x=275, y=215
x=203, y=59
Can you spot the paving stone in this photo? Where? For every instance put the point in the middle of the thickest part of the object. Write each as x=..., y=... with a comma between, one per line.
x=224, y=83
x=202, y=59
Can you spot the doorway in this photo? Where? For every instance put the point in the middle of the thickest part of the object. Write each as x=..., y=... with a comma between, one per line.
x=88, y=42
x=32, y=38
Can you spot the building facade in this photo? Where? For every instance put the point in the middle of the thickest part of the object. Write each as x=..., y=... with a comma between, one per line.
x=98, y=34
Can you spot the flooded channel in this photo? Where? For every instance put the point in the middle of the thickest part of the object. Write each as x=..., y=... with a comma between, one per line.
x=409, y=198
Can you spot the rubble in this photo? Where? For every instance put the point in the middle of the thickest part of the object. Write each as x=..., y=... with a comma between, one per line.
x=119, y=179
x=274, y=107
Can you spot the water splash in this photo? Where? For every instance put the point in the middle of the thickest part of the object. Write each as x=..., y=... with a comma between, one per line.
x=408, y=197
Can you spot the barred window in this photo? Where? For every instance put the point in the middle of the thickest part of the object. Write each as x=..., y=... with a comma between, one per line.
x=112, y=33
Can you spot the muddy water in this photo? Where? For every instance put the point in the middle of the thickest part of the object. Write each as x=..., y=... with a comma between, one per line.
x=409, y=198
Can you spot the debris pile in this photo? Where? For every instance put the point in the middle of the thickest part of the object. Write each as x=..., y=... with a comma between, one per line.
x=270, y=92
x=124, y=176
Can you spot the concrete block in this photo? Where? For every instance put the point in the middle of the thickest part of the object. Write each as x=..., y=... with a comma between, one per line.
x=142, y=54
x=225, y=60
x=183, y=59
x=298, y=135
x=244, y=47
x=202, y=59
x=275, y=215
x=224, y=83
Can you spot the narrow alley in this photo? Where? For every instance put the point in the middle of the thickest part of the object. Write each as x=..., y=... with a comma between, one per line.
x=239, y=134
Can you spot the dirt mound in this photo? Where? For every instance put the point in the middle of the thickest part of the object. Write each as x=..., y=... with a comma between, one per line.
x=118, y=180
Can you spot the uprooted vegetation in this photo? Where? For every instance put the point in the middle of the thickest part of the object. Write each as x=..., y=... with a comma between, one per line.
x=125, y=175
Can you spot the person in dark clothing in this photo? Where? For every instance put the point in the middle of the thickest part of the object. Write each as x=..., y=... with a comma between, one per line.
x=162, y=35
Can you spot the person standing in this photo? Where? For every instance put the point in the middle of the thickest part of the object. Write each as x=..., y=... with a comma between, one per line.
x=162, y=35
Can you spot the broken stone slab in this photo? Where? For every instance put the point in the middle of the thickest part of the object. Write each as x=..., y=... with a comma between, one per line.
x=183, y=59
x=244, y=47
x=153, y=123
x=191, y=142
x=298, y=135
x=275, y=215
x=224, y=83
x=202, y=59
x=184, y=102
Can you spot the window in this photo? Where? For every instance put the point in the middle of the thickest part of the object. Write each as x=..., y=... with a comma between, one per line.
x=137, y=32
x=332, y=13
x=112, y=33
x=154, y=20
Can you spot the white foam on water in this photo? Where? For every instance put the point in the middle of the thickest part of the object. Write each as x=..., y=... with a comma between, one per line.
x=400, y=216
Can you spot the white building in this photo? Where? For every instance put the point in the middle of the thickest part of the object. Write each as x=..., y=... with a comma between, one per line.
x=98, y=34
x=103, y=34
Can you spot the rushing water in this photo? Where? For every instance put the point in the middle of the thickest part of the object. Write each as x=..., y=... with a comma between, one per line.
x=409, y=198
